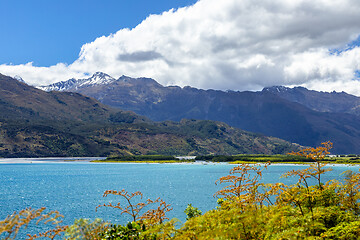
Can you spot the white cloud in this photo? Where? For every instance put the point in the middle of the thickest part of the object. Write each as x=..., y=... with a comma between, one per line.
x=40, y=75
x=228, y=44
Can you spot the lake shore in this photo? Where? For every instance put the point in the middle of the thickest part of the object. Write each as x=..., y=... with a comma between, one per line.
x=97, y=160
x=49, y=160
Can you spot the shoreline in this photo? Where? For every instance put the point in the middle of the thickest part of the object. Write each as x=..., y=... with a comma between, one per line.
x=95, y=160
x=48, y=160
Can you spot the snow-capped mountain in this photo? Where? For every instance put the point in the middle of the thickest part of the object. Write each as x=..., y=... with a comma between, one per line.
x=59, y=86
x=296, y=114
x=17, y=77
x=98, y=78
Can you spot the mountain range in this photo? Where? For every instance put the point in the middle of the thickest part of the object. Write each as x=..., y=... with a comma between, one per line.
x=338, y=102
x=297, y=114
x=35, y=123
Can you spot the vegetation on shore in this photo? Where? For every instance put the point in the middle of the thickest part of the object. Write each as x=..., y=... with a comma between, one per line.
x=19, y=138
x=144, y=159
x=253, y=158
x=234, y=159
x=278, y=158
x=248, y=209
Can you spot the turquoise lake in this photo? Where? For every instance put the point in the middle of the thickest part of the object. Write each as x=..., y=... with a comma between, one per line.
x=75, y=189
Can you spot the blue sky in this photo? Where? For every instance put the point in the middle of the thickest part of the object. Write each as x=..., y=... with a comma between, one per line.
x=208, y=44
x=47, y=32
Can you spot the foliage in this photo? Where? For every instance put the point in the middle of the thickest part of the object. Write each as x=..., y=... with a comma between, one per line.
x=277, y=158
x=132, y=209
x=142, y=226
x=130, y=231
x=52, y=233
x=59, y=138
x=252, y=210
x=241, y=186
x=121, y=117
x=315, y=170
x=10, y=226
x=150, y=217
x=258, y=158
x=85, y=230
x=141, y=158
x=165, y=230
x=191, y=211
x=316, y=154
x=158, y=215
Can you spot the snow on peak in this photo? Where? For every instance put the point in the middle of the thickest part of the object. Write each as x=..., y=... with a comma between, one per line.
x=98, y=78
x=59, y=86
x=277, y=89
x=17, y=77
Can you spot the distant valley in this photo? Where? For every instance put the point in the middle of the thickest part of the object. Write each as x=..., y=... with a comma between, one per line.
x=35, y=123
x=297, y=115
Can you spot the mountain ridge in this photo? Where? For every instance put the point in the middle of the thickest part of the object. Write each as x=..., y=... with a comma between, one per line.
x=263, y=112
x=95, y=79
x=34, y=123
x=340, y=102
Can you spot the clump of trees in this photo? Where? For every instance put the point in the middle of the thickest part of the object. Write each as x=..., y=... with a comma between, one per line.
x=254, y=158
x=248, y=208
x=141, y=158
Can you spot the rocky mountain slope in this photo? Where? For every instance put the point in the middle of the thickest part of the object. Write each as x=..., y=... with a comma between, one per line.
x=98, y=78
x=20, y=101
x=263, y=112
x=339, y=102
x=34, y=123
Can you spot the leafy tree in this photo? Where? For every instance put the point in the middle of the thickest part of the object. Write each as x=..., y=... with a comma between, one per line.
x=158, y=215
x=315, y=170
x=132, y=209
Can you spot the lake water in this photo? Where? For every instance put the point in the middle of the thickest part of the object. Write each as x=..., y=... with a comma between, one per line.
x=75, y=189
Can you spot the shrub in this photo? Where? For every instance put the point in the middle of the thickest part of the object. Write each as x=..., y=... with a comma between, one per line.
x=191, y=212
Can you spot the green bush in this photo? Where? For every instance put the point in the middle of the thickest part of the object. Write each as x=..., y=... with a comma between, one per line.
x=191, y=211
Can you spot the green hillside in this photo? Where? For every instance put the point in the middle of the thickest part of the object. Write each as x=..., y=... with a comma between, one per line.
x=60, y=138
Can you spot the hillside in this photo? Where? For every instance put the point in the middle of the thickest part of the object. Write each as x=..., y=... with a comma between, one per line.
x=190, y=137
x=262, y=112
x=34, y=123
x=21, y=101
x=339, y=102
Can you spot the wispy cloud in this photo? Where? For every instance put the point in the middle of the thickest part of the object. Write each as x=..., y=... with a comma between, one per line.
x=228, y=44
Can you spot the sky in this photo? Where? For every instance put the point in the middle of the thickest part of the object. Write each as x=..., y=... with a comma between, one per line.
x=209, y=44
